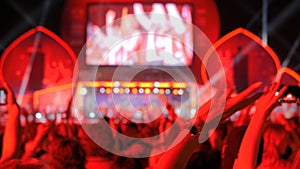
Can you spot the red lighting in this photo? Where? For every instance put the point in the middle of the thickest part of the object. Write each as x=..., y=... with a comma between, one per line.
x=134, y=91
x=175, y=92
x=108, y=90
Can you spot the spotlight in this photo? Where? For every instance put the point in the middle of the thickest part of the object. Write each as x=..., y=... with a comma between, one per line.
x=147, y=90
x=108, y=90
x=155, y=90
x=38, y=115
x=141, y=90
x=83, y=91
x=102, y=90
x=167, y=91
x=134, y=90
x=116, y=83
x=116, y=90
x=92, y=115
x=127, y=90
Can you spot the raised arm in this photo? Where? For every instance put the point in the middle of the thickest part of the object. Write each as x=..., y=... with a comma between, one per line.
x=12, y=133
x=248, y=152
x=178, y=156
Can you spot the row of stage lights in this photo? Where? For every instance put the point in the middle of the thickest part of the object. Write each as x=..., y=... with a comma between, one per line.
x=135, y=87
x=103, y=90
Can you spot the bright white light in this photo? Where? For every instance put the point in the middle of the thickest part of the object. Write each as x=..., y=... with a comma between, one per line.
x=276, y=93
x=156, y=84
x=180, y=92
x=102, y=90
x=127, y=90
x=38, y=115
x=92, y=115
x=167, y=91
x=141, y=90
x=116, y=83
x=289, y=96
x=138, y=115
x=83, y=91
x=156, y=90
x=116, y=90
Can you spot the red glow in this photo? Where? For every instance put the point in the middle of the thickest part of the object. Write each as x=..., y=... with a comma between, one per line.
x=134, y=90
x=175, y=92
x=108, y=90
x=58, y=58
x=263, y=61
x=287, y=76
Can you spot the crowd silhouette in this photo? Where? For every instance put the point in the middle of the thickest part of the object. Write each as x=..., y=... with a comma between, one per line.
x=253, y=140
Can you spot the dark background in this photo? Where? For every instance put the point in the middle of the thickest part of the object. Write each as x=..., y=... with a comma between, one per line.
x=18, y=16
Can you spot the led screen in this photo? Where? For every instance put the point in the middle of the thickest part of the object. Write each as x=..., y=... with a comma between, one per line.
x=158, y=34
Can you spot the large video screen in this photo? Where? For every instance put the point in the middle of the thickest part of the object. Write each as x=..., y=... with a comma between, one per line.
x=145, y=34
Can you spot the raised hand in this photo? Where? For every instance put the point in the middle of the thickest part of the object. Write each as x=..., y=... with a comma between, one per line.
x=250, y=144
x=231, y=105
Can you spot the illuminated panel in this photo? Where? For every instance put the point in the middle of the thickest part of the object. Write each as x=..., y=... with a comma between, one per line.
x=92, y=84
x=164, y=85
x=129, y=84
x=108, y=84
x=146, y=84
x=287, y=76
x=179, y=85
x=262, y=60
x=54, y=62
x=52, y=96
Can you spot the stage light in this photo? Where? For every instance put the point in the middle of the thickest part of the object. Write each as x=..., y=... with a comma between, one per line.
x=145, y=84
x=180, y=92
x=167, y=91
x=179, y=85
x=92, y=115
x=141, y=90
x=108, y=90
x=164, y=85
x=116, y=83
x=129, y=84
x=38, y=115
x=127, y=90
x=134, y=90
x=116, y=90
x=175, y=92
x=102, y=90
x=108, y=84
x=121, y=91
x=83, y=91
x=155, y=90
x=93, y=84
x=147, y=90
x=156, y=84
x=161, y=91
